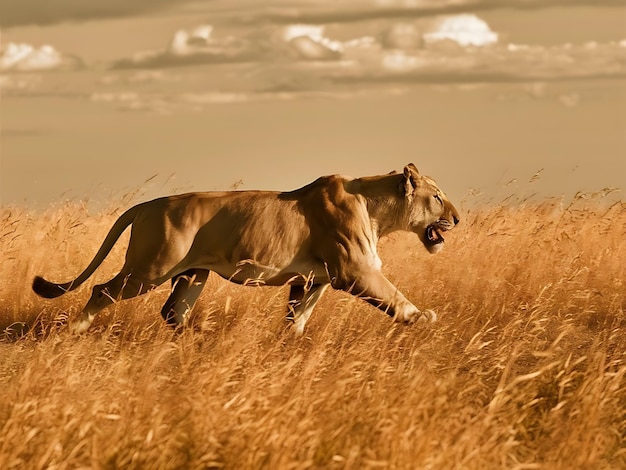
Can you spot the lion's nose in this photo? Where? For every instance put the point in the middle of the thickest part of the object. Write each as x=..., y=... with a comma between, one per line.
x=455, y=219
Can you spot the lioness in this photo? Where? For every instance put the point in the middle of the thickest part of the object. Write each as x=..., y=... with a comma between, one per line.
x=322, y=234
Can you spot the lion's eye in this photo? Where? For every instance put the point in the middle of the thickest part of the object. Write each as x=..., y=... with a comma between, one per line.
x=438, y=198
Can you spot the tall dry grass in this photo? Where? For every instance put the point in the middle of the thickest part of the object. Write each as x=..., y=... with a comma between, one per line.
x=525, y=369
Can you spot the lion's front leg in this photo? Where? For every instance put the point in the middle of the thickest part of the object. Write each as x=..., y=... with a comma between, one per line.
x=377, y=290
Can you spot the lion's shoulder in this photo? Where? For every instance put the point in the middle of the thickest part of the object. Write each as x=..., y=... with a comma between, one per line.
x=321, y=185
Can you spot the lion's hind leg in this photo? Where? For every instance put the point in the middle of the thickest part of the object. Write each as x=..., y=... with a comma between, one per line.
x=186, y=288
x=302, y=300
x=122, y=286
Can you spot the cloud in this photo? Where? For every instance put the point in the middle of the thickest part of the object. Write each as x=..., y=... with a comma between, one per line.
x=278, y=61
x=309, y=43
x=510, y=63
x=202, y=46
x=449, y=49
x=452, y=50
x=364, y=66
x=21, y=57
x=466, y=30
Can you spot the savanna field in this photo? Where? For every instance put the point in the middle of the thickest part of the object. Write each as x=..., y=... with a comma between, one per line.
x=525, y=369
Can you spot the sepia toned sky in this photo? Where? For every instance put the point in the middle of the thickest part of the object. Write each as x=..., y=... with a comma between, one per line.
x=490, y=97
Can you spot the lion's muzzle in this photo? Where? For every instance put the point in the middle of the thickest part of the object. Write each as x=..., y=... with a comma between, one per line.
x=433, y=234
x=434, y=238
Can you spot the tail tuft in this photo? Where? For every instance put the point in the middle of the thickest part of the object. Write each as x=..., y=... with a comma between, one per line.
x=49, y=290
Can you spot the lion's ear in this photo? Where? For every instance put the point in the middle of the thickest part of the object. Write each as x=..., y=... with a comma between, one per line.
x=411, y=167
x=410, y=179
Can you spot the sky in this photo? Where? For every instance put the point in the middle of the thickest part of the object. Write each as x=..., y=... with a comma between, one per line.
x=489, y=97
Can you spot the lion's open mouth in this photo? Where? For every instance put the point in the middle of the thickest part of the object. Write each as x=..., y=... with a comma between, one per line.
x=433, y=235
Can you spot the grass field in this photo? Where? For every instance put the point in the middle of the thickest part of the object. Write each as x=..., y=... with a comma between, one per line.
x=525, y=369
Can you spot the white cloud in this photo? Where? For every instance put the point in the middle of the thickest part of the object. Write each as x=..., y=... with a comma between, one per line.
x=466, y=30
x=192, y=42
x=309, y=42
x=315, y=32
x=308, y=48
x=22, y=57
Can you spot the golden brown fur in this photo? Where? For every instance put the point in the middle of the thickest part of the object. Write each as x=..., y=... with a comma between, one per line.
x=322, y=234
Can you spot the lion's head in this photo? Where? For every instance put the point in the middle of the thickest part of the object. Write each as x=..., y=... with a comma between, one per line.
x=429, y=212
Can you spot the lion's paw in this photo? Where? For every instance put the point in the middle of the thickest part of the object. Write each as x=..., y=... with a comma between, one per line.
x=427, y=316
x=417, y=316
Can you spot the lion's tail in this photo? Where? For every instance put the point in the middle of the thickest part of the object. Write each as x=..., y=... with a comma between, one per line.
x=50, y=290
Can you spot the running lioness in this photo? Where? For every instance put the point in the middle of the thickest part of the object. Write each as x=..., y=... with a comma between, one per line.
x=322, y=234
